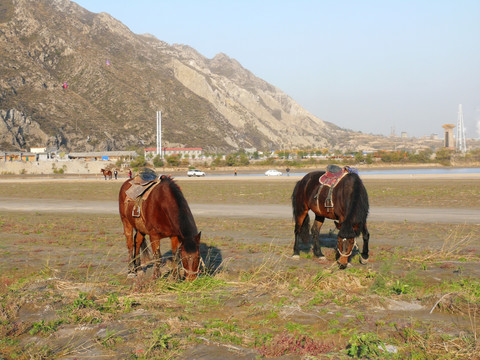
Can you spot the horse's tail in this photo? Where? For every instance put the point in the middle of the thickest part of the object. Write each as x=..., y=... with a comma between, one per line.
x=356, y=208
x=298, y=207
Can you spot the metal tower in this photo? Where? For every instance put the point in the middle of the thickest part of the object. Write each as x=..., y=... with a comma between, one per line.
x=159, y=134
x=460, y=144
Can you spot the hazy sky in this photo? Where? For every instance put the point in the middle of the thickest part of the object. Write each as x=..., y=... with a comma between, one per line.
x=370, y=66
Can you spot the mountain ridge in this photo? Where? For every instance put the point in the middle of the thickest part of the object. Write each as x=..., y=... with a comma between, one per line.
x=117, y=80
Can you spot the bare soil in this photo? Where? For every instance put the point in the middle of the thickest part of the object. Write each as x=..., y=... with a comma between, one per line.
x=64, y=292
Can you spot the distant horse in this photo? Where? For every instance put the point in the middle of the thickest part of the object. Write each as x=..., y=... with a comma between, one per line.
x=164, y=213
x=350, y=210
x=106, y=173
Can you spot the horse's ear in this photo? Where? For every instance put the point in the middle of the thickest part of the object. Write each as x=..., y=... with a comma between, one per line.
x=197, y=237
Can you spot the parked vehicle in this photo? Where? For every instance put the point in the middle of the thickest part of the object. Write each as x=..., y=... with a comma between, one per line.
x=272, y=172
x=195, y=172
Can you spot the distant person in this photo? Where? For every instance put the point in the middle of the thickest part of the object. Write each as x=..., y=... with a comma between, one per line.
x=115, y=172
x=130, y=174
x=288, y=171
x=235, y=172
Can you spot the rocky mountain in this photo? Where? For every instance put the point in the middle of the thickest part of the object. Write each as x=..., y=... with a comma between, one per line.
x=117, y=80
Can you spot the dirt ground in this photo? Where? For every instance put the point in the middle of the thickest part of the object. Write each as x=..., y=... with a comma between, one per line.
x=254, y=299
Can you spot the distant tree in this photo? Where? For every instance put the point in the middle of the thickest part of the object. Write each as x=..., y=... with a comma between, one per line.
x=173, y=160
x=444, y=156
x=231, y=160
x=158, y=161
x=359, y=157
x=243, y=160
x=369, y=158
x=139, y=161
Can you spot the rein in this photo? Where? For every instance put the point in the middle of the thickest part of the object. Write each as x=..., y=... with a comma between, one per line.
x=355, y=246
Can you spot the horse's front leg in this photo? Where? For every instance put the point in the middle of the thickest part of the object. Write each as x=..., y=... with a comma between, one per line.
x=157, y=256
x=316, y=227
x=175, y=255
x=366, y=237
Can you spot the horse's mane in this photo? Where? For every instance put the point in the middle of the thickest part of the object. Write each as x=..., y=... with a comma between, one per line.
x=185, y=218
x=357, y=210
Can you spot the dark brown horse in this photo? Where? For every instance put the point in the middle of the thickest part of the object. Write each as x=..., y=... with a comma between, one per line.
x=106, y=173
x=350, y=211
x=164, y=213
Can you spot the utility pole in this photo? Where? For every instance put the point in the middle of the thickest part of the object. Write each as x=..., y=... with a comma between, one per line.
x=460, y=141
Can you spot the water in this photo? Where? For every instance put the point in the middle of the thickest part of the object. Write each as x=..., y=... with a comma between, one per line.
x=411, y=171
x=422, y=171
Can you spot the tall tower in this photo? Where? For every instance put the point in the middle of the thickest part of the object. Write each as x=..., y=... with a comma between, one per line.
x=448, y=142
x=159, y=134
x=461, y=141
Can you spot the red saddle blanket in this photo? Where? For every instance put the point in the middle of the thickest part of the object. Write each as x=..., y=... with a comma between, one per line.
x=331, y=179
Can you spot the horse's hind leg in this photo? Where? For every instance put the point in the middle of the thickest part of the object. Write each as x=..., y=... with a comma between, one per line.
x=302, y=232
x=157, y=256
x=128, y=231
x=317, y=225
x=366, y=237
x=175, y=255
x=139, y=239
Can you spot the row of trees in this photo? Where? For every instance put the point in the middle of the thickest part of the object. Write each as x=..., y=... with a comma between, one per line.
x=443, y=156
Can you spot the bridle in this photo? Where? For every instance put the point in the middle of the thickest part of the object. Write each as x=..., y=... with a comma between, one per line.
x=355, y=246
x=201, y=264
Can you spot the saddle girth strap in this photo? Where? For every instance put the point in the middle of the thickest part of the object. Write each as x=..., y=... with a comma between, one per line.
x=137, y=207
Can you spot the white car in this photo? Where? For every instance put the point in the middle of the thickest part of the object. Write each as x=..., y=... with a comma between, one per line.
x=273, y=173
x=195, y=172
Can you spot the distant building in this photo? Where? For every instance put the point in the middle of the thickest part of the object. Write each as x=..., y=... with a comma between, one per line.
x=182, y=152
x=103, y=155
x=404, y=135
x=18, y=156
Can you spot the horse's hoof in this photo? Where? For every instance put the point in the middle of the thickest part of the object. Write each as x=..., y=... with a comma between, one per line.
x=295, y=256
x=362, y=260
x=322, y=259
x=131, y=275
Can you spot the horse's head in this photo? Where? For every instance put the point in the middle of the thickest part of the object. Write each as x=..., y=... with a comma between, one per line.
x=345, y=248
x=191, y=258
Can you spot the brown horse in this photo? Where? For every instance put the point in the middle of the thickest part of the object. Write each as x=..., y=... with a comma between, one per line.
x=350, y=210
x=164, y=213
x=106, y=173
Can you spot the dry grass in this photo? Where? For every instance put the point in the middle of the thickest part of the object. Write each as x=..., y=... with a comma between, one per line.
x=252, y=296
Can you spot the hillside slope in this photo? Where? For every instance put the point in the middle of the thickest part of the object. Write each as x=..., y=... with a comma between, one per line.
x=117, y=80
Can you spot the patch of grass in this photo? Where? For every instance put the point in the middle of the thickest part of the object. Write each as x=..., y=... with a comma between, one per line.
x=44, y=328
x=366, y=345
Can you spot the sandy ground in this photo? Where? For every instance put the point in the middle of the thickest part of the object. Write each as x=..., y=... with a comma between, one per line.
x=391, y=214
x=425, y=215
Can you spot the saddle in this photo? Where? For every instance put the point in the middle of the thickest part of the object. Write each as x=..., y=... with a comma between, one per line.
x=141, y=186
x=331, y=178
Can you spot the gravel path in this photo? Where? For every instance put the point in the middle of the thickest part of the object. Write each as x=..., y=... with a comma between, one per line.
x=390, y=214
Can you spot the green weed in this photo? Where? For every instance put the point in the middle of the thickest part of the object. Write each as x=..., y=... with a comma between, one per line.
x=366, y=345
